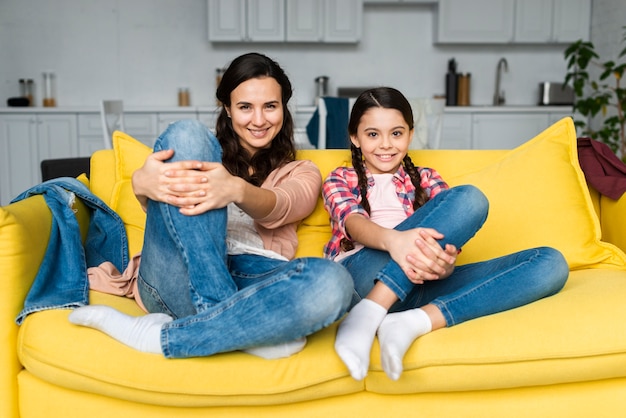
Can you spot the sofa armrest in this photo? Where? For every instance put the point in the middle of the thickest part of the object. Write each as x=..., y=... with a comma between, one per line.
x=613, y=221
x=24, y=231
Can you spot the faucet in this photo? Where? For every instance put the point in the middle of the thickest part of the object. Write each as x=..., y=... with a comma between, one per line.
x=498, y=97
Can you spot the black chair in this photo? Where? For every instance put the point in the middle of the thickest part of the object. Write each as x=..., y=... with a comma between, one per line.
x=64, y=167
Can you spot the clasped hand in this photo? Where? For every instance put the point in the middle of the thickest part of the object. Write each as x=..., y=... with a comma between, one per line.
x=420, y=255
x=193, y=186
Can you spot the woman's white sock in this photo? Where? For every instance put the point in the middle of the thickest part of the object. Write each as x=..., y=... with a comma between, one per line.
x=355, y=336
x=396, y=334
x=142, y=333
x=271, y=352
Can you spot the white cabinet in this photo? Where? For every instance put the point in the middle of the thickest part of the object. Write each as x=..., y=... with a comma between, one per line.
x=343, y=20
x=305, y=21
x=165, y=118
x=246, y=20
x=571, y=20
x=465, y=21
x=142, y=126
x=324, y=20
x=495, y=128
x=26, y=140
x=456, y=131
x=285, y=20
x=513, y=21
x=505, y=131
x=556, y=21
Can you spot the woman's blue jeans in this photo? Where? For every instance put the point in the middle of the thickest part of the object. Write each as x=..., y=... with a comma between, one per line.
x=223, y=303
x=472, y=290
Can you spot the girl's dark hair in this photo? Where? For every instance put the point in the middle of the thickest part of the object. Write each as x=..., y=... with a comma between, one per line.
x=386, y=98
x=282, y=150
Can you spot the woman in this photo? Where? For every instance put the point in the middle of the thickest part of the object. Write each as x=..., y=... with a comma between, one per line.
x=217, y=271
x=397, y=228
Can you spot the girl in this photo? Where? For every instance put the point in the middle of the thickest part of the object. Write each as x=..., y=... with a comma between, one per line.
x=397, y=228
x=217, y=271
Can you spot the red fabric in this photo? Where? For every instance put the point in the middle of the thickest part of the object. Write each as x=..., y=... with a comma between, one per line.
x=603, y=170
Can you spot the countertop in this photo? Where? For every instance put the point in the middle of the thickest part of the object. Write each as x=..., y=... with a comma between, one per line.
x=303, y=109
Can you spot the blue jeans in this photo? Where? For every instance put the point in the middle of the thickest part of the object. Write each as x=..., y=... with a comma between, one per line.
x=223, y=303
x=472, y=290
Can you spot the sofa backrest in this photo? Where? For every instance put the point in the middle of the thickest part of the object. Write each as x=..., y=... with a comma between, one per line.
x=537, y=193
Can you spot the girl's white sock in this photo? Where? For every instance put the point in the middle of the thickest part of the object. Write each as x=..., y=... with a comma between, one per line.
x=142, y=333
x=396, y=334
x=271, y=352
x=355, y=336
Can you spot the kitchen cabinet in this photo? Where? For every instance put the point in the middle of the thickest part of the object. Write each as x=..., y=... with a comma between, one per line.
x=556, y=21
x=165, y=118
x=386, y=2
x=496, y=128
x=505, y=131
x=332, y=21
x=145, y=126
x=246, y=20
x=475, y=21
x=25, y=140
x=513, y=21
x=456, y=132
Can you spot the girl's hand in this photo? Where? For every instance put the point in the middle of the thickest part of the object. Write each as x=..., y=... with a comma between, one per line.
x=422, y=258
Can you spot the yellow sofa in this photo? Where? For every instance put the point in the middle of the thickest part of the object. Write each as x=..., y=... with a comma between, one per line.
x=564, y=356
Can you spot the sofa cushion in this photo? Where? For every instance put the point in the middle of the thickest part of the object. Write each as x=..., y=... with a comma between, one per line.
x=130, y=155
x=83, y=359
x=538, y=196
x=537, y=193
x=535, y=345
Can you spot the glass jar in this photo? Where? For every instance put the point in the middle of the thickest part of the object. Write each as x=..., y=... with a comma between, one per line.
x=49, y=89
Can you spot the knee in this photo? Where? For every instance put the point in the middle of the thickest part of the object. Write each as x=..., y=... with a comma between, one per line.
x=334, y=285
x=556, y=269
x=474, y=199
x=191, y=140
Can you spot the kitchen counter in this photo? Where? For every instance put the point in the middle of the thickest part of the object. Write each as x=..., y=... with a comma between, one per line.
x=507, y=109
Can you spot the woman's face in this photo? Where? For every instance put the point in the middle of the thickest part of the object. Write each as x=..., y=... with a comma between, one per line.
x=256, y=112
x=384, y=137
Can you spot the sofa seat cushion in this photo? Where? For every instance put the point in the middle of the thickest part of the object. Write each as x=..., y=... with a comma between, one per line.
x=554, y=340
x=87, y=360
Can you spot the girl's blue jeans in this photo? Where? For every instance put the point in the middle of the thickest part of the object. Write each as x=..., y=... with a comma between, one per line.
x=223, y=303
x=473, y=290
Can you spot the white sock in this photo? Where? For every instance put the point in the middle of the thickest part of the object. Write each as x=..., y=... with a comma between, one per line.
x=271, y=352
x=396, y=334
x=142, y=333
x=356, y=334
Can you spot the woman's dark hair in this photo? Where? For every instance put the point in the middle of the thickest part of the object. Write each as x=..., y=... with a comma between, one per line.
x=386, y=98
x=282, y=150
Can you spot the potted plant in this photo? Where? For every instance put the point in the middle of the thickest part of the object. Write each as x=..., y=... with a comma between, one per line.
x=602, y=95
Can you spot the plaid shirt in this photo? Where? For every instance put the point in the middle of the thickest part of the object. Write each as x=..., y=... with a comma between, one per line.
x=342, y=197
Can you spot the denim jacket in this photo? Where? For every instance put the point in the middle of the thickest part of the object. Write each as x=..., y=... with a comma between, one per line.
x=62, y=280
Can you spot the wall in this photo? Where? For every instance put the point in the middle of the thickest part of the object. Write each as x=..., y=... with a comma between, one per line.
x=607, y=21
x=143, y=50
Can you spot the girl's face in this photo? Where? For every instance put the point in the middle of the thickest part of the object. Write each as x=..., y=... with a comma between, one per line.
x=384, y=138
x=256, y=112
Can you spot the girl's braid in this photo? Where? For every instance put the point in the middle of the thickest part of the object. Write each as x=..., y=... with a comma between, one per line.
x=420, y=194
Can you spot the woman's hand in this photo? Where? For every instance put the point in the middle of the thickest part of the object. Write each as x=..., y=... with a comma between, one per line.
x=420, y=255
x=181, y=183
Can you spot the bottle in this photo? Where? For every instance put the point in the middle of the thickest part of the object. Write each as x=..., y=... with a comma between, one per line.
x=48, y=83
x=463, y=96
x=183, y=96
x=30, y=88
x=451, y=83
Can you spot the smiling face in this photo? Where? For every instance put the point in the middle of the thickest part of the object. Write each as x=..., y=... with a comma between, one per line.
x=256, y=112
x=383, y=137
